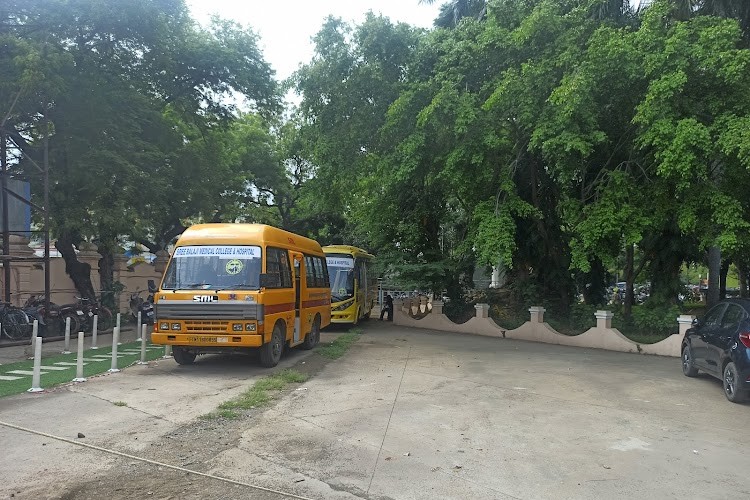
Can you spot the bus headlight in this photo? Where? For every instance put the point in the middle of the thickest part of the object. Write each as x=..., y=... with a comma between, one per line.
x=250, y=327
x=164, y=326
x=176, y=326
x=237, y=327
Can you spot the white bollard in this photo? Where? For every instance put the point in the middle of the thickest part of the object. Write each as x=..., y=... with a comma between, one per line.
x=138, y=327
x=118, y=321
x=143, y=346
x=79, y=360
x=66, y=349
x=34, y=335
x=94, y=331
x=36, y=384
x=167, y=351
x=115, y=338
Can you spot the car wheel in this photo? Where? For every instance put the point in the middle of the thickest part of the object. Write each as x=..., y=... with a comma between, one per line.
x=688, y=367
x=731, y=382
x=183, y=356
x=270, y=353
x=313, y=337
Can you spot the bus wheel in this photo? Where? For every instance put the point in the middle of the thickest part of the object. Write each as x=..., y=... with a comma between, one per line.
x=183, y=356
x=270, y=353
x=313, y=337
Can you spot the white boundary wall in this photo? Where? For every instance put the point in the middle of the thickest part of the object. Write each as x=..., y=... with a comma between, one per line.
x=602, y=336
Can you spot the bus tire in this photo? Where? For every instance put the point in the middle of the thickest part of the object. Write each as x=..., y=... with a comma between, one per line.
x=270, y=353
x=313, y=336
x=183, y=356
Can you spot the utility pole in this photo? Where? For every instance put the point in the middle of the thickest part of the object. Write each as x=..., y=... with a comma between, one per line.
x=5, y=224
x=46, y=214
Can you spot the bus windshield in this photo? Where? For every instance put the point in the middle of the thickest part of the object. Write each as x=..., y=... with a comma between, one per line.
x=214, y=267
x=341, y=276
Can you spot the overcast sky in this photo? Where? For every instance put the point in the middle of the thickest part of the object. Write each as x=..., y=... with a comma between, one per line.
x=285, y=28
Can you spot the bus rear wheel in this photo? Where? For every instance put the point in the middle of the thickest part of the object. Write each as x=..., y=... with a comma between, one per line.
x=270, y=353
x=313, y=337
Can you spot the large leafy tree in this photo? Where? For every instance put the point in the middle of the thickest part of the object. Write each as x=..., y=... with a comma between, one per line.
x=133, y=93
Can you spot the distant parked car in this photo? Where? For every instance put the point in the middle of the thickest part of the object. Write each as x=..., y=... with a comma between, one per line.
x=719, y=344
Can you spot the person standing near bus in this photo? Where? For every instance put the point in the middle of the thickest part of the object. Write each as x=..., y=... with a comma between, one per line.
x=387, y=307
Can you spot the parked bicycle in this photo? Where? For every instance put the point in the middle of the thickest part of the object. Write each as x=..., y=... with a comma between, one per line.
x=90, y=308
x=16, y=324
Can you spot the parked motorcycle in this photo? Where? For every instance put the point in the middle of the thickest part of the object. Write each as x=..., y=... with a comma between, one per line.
x=144, y=306
x=51, y=320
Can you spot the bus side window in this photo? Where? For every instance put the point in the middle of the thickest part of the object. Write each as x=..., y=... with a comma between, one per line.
x=321, y=277
x=278, y=268
x=310, y=271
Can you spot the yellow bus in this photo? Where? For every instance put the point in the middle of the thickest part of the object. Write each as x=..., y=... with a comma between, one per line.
x=232, y=287
x=354, y=288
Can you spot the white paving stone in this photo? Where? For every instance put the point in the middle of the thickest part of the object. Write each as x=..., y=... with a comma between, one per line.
x=6, y=377
x=23, y=372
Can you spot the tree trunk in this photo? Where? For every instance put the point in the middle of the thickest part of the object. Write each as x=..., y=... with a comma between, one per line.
x=742, y=272
x=79, y=272
x=629, y=281
x=723, y=279
x=714, y=271
x=107, y=272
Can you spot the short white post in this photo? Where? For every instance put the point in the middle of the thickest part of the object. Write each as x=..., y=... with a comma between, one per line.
x=167, y=351
x=115, y=338
x=34, y=335
x=437, y=306
x=685, y=322
x=79, y=360
x=94, y=331
x=118, y=321
x=483, y=310
x=537, y=314
x=66, y=349
x=138, y=327
x=36, y=378
x=604, y=319
x=143, y=346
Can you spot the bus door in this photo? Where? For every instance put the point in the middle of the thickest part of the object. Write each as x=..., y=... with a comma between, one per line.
x=299, y=270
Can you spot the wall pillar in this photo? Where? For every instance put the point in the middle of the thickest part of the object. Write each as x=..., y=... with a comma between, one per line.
x=88, y=253
x=483, y=310
x=21, y=284
x=160, y=263
x=537, y=314
x=437, y=307
x=604, y=319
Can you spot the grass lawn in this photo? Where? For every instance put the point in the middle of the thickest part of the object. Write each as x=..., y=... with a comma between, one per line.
x=57, y=377
x=337, y=348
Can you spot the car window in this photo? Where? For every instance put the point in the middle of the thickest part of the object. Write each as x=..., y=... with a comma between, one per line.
x=713, y=316
x=732, y=316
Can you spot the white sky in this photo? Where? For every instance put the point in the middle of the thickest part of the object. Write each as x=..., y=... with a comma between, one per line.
x=286, y=28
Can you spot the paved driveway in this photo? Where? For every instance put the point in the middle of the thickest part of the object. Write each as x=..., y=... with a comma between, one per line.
x=416, y=414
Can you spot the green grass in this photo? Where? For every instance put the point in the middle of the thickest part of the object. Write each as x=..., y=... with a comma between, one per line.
x=338, y=347
x=258, y=395
x=51, y=379
x=120, y=403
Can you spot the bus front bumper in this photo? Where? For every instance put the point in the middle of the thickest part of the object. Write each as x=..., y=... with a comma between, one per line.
x=198, y=339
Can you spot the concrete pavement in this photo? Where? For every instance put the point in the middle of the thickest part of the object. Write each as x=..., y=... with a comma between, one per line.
x=408, y=414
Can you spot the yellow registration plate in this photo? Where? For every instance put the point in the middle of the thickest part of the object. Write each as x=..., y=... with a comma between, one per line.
x=215, y=340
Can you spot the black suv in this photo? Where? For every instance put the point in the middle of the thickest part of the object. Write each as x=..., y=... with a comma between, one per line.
x=719, y=344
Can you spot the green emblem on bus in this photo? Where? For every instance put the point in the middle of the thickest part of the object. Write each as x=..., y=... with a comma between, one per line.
x=234, y=266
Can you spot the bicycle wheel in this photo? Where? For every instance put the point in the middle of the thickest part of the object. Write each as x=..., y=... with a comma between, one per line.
x=16, y=324
x=105, y=321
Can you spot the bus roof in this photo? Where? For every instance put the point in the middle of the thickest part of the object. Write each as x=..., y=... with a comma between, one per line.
x=349, y=250
x=246, y=234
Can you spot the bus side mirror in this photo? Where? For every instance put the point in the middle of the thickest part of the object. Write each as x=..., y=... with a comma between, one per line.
x=151, y=286
x=265, y=280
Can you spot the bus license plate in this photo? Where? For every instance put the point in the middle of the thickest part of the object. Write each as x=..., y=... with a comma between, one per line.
x=215, y=340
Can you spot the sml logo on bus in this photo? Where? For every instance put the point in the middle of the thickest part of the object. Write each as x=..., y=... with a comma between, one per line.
x=205, y=298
